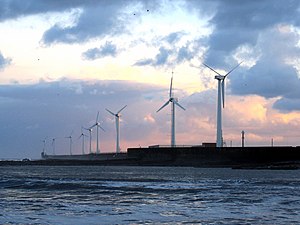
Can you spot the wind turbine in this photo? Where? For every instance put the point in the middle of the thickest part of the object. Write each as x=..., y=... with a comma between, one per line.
x=90, y=131
x=70, y=137
x=117, y=117
x=53, y=145
x=97, y=125
x=221, y=101
x=44, y=146
x=82, y=136
x=174, y=102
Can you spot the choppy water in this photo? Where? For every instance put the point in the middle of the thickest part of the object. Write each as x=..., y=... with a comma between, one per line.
x=147, y=195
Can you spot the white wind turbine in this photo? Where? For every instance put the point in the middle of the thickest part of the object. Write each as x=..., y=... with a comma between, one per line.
x=117, y=117
x=70, y=137
x=97, y=125
x=90, y=132
x=221, y=95
x=82, y=136
x=174, y=102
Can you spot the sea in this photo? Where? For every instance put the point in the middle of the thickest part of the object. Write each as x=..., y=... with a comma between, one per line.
x=147, y=195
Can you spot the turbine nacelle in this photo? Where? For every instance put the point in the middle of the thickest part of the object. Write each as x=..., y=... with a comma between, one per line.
x=117, y=115
x=220, y=77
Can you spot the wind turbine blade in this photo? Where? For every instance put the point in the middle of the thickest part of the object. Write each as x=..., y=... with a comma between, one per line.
x=121, y=109
x=233, y=68
x=179, y=105
x=163, y=106
x=93, y=126
x=85, y=128
x=211, y=69
x=102, y=128
x=171, y=88
x=110, y=112
x=223, y=92
x=97, y=117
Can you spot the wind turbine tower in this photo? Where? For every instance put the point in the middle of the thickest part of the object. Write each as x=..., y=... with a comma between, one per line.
x=117, y=118
x=44, y=146
x=90, y=132
x=82, y=136
x=243, y=138
x=53, y=145
x=70, y=137
x=221, y=101
x=97, y=125
x=173, y=101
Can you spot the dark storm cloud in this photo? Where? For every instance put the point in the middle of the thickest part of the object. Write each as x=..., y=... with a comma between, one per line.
x=267, y=81
x=12, y=9
x=108, y=49
x=238, y=23
x=29, y=113
x=97, y=17
x=271, y=76
x=98, y=20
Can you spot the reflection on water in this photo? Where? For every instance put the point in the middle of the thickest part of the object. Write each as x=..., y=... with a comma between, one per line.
x=153, y=195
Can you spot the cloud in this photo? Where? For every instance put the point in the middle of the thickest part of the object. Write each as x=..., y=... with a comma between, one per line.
x=13, y=9
x=287, y=104
x=103, y=18
x=239, y=24
x=108, y=22
x=144, y=62
x=160, y=59
x=172, y=52
x=94, y=19
x=174, y=37
x=108, y=49
x=4, y=61
x=184, y=54
x=273, y=75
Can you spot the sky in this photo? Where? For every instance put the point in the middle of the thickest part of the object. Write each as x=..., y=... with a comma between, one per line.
x=63, y=61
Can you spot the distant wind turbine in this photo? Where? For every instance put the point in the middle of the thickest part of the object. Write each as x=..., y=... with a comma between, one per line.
x=90, y=132
x=82, y=136
x=70, y=137
x=53, y=145
x=117, y=117
x=174, y=102
x=44, y=146
x=97, y=125
x=221, y=101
